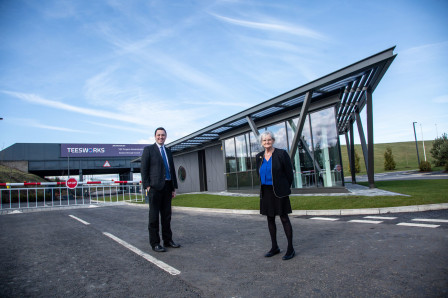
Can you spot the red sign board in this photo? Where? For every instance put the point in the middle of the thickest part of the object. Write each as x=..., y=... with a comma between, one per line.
x=71, y=183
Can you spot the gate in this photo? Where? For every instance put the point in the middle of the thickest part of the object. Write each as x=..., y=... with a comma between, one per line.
x=15, y=196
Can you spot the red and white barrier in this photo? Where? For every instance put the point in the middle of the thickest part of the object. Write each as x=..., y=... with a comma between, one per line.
x=64, y=182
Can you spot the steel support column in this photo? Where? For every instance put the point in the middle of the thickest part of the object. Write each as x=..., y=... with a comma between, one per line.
x=300, y=124
x=253, y=127
x=352, y=153
x=370, y=160
x=347, y=145
x=362, y=138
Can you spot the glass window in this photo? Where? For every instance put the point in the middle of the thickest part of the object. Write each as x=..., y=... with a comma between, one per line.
x=316, y=162
x=244, y=180
x=304, y=172
x=255, y=148
x=229, y=145
x=242, y=154
x=326, y=149
x=255, y=179
x=232, y=182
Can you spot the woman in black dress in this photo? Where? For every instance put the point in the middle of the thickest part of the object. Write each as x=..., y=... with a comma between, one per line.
x=275, y=171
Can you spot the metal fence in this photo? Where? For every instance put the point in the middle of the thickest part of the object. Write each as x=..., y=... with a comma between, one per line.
x=56, y=196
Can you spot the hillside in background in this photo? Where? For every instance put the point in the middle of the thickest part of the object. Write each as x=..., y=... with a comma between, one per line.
x=404, y=153
x=11, y=175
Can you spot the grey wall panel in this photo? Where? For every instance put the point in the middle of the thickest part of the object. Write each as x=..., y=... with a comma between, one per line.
x=215, y=169
x=191, y=164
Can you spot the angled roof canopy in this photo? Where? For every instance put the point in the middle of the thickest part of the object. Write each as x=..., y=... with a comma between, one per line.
x=350, y=83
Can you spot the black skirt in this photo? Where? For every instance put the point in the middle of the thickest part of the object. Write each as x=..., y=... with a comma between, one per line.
x=270, y=205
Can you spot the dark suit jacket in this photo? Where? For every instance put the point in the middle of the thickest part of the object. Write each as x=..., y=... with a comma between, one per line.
x=153, y=168
x=282, y=173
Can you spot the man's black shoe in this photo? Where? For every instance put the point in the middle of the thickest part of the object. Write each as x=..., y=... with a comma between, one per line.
x=159, y=248
x=171, y=244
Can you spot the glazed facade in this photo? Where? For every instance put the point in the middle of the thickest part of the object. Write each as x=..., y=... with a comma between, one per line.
x=317, y=162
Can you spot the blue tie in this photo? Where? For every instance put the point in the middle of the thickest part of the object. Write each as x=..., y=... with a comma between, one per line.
x=165, y=161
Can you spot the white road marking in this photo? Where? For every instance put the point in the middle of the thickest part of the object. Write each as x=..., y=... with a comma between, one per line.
x=80, y=220
x=366, y=221
x=148, y=257
x=417, y=225
x=380, y=217
x=430, y=220
x=325, y=218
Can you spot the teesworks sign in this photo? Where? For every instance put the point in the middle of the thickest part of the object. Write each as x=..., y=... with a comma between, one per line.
x=101, y=150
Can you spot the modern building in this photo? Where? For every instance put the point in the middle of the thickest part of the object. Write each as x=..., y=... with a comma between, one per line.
x=306, y=121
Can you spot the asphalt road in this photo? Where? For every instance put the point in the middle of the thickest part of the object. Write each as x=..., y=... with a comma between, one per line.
x=71, y=253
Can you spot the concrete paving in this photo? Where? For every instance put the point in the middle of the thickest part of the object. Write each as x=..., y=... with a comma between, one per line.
x=402, y=175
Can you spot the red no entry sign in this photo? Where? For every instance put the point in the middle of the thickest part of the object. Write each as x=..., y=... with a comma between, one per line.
x=71, y=183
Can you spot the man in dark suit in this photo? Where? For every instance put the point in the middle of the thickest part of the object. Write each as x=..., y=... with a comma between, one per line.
x=159, y=181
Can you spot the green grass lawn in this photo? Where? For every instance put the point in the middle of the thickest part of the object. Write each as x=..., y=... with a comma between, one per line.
x=420, y=192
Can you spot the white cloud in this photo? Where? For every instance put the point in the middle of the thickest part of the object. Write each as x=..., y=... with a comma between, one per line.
x=284, y=28
x=35, y=99
x=117, y=127
x=36, y=124
x=220, y=103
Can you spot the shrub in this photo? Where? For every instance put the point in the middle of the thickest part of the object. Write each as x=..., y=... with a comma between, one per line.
x=425, y=166
x=439, y=150
x=389, y=162
x=357, y=164
x=446, y=167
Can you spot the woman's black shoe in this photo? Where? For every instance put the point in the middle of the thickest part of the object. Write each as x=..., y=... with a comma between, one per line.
x=272, y=252
x=289, y=256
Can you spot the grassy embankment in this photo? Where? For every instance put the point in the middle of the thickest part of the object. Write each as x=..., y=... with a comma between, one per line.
x=11, y=175
x=405, y=156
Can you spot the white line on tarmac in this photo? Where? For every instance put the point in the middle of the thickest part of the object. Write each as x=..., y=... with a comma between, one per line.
x=79, y=219
x=430, y=220
x=366, y=221
x=325, y=218
x=158, y=263
x=417, y=225
x=380, y=217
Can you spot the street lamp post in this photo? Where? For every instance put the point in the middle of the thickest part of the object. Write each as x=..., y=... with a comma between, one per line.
x=416, y=144
x=423, y=139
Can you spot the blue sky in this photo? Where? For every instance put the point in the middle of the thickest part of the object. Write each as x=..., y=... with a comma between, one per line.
x=112, y=71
